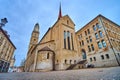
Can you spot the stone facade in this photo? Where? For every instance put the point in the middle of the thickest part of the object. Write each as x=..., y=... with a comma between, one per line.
x=61, y=48
x=99, y=42
x=6, y=51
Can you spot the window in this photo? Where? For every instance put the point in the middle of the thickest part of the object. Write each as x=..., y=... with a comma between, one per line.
x=92, y=47
x=102, y=57
x=70, y=61
x=47, y=55
x=94, y=58
x=89, y=49
x=94, y=28
x=57, y=61
x=85, y=33
x=65, y=36
x=87, y=40
x=82, y=42
x=79, y=36
x=34, y=39
x=101, y=35
x=72, y=41
x=104, y=43
x=107, y=56
x=90, y=38
x=98, y=26
x=96, y=35
x=68, y=38
x=88, y=31
x=67, y=22
x=99, y=45
x=65, y=61
x=90, y=59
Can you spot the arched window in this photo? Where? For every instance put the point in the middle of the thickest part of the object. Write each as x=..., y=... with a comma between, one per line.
x=90, y=38
x=99, y=45
x=65, y=36
x=87, y=40
x=96, y=35
x=47, y=55
x=82, y=42
x=65, y=61
x=98, y=26
x=107, y=56
x=72, y=41
x=94, y=58
x=90, y=59
x=85, y=33
x=102, y=57
x=101, y=35
x=88, y=31
x=94, y=28
x=104, y=43
x=89, y=48
x=74, y=61
x=67, y=21
x=68, y=39
x=70, y=61
x=84, y=56
x=92, y=47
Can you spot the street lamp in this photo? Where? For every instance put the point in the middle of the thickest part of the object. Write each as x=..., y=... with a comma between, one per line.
x=3, y=22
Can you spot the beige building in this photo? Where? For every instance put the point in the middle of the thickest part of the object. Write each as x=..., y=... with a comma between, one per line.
x=6, y=51
x=61, y=48
x=99, y=42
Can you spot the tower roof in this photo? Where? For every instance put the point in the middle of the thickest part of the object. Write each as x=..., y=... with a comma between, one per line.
x=60, y=12
x=36, y=28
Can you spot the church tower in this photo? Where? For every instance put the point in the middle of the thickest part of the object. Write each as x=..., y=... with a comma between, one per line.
x=34, y=36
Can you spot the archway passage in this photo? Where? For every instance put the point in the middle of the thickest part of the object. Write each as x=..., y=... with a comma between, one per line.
x=53, y=53
x=84, y=56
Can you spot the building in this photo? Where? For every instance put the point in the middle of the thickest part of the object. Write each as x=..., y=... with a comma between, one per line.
x=61, y=48
x=99, y=42
x=7, y=49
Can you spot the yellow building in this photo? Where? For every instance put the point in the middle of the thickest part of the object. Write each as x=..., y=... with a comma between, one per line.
x=61, y=48
x=6, y=51
x=99, y=42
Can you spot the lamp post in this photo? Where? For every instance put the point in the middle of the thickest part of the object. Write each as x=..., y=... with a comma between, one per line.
x=3, y=22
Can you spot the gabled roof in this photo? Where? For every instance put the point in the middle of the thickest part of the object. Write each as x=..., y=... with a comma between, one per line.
x=45, y=49
x=55, y=24
x=7, y=37
x=69, y=19
x=96, y=18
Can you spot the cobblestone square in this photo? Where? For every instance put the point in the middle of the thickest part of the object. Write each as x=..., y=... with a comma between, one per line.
x=111, y=73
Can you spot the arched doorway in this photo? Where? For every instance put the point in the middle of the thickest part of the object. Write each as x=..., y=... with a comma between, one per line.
x=53, y=53
x=84, y=56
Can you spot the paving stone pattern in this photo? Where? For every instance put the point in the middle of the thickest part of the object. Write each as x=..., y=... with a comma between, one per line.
x=111, y=73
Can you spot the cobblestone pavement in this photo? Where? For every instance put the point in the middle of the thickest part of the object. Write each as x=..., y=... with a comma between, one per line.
x=112, y=73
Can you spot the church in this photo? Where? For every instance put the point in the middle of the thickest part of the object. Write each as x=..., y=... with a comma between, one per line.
x=97, y=44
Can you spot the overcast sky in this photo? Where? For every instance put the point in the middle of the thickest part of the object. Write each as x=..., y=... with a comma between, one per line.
x=23, y=14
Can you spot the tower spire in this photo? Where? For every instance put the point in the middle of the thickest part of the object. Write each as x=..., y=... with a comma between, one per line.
x=60, y=12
